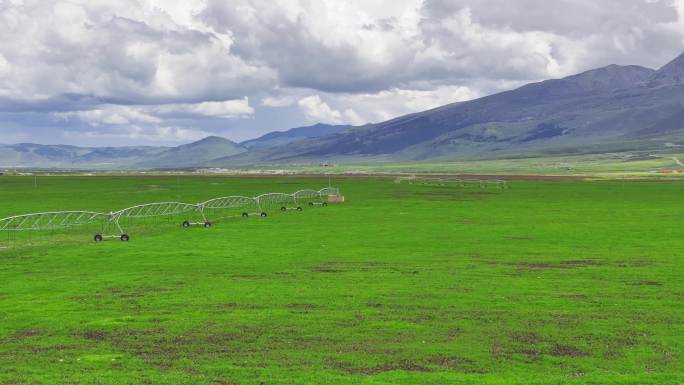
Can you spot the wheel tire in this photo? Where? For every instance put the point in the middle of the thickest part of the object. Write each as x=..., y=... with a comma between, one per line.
x=299, y=209
x=263, y=214
x=185, y=224
x=325, y=204
x=97, y=238
x=245, y=215
x=311, y=204
x=207, y=224
x=125, y=238
x=283, y=208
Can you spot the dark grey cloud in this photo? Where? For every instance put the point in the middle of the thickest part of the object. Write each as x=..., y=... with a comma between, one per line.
x=572, y=18
x=582, y=34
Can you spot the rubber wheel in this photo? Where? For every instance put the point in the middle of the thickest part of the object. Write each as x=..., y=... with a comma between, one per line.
x=283, y=208
x=245, y=215
x=125, y=237
x=185, y=224
x=299, y=209
x=207, y=224
x=264, y=215
x=325, y=204
x=98, y=238
x=311, y=203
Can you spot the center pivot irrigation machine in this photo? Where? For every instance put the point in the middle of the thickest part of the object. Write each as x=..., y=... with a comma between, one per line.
x=115, y=224
x=230, y=205
x=278, y=200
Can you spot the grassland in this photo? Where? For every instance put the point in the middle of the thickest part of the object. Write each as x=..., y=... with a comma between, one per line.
x=550, y=282
x=641, y=164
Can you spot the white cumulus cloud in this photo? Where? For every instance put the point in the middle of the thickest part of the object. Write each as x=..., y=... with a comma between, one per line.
x=316, y=110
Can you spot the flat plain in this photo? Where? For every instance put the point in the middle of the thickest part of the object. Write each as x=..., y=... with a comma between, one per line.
x=549, y=282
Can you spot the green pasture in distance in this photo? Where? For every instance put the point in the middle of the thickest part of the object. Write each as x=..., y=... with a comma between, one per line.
x=613, y=165
x=548, y=282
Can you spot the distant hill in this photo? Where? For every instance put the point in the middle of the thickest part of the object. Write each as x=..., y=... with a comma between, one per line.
x=193, y=154
x=72, y=157
x=61, y=156
x=277, y=138
x=615, y=108
x=670, y=75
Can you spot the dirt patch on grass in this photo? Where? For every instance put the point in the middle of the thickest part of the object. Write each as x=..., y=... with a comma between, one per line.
x=283, y=274
x=12, y=257
x=302, y=306
x=519, y=238
x=581, y=263
x=615, y=346
x=124, y=292
x=107, y=335
x=246, y=277
x=532, y=265
x=95, y=335
x=529, y=352
x=459, y=289
x=498, y=352
x=328, y=267
x=575, y=297
x=529, y=338
x=456, y=363
x=27, y=333
x=644, y=283
x=330, y=263
x=567, y=351
x=362, y=266
x=327, y=271
x=403, y=365
x=636, y=263
x=161, y=348
x=239, y=306
x=525, y=343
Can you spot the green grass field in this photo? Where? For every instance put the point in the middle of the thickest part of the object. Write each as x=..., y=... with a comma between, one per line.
x=549, y=282
x=639, y=164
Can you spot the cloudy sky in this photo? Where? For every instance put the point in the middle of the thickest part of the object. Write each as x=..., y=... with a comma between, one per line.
x=163, y=72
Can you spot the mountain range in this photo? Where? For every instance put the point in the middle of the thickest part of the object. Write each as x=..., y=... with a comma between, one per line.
x=610, y=109
x=196, y=154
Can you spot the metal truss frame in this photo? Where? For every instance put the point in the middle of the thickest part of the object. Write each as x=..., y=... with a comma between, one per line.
x=51, y=220
x=67, y=219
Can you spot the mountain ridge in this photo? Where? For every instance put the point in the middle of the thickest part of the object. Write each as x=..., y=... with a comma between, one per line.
x=670, y=74
x=275, y=138
x=612, y=108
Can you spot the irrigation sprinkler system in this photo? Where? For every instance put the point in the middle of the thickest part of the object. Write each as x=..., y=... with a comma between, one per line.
x=115, y=224
x=283, y=202
x=461, y=182
x=247, y=205
x=51, y=220
x=310, y=197
x=122, y=218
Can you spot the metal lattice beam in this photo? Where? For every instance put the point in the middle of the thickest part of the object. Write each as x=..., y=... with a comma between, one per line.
x=51, y=220
x=68, y=219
